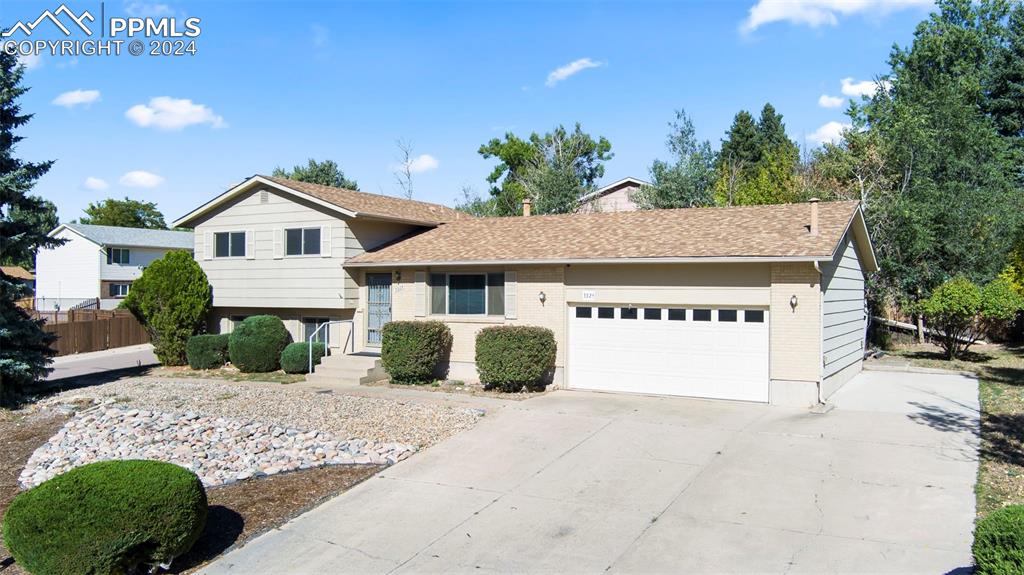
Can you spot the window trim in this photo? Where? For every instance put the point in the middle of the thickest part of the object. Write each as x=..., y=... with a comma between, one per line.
x=447, y=299
x=229, y=256
x=302, y=242
x=110, y=287
x=123, y=253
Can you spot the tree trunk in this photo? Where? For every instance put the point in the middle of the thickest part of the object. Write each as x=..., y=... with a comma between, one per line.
x=920, y=328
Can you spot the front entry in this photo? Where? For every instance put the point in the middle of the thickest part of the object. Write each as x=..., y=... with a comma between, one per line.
x=378, y=306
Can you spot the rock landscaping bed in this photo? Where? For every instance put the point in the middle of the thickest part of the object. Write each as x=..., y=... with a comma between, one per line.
x=343, y=416
x=219, y=450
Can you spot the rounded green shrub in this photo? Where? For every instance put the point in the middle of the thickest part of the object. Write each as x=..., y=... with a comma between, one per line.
x=255, y=346
x=999, y=542
x=512, y=357
x=207, y=351
x=106, y=517
x=295, y=357
x=411, y=351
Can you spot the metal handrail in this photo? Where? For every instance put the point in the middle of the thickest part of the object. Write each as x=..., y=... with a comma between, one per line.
x=312, y=336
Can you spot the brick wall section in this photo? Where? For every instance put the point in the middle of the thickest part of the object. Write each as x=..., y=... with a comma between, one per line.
x=530, y=282
x=795, y=334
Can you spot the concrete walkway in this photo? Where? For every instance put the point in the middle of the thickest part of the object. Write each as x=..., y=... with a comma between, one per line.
x=100, y=362
x=576, y=482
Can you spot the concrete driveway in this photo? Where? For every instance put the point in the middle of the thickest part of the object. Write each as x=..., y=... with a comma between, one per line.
x=576, y=482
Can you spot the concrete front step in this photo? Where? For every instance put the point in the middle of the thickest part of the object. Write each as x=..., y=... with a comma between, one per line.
x=347, y=370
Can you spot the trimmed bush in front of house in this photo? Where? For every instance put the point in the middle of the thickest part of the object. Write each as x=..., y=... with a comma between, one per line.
x=512, y=357
x=207, y=351
x=295, y=357
x=256, y=344
x=106, y=517
x=999, y=542
x=412, y=350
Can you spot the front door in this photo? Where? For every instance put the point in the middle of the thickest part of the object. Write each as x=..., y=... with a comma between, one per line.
x=378, y=287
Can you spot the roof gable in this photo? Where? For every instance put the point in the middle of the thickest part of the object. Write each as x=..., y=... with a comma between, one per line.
x=743, y=233
x=627, y=182
x=348, y=203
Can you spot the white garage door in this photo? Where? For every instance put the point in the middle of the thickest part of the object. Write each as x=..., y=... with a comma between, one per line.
x=699, y=352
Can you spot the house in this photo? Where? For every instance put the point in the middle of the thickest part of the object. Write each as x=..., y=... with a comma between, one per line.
x=755, y=303
x=21, y=275
x=278, y=246
x=98, y=263
x=615, y=197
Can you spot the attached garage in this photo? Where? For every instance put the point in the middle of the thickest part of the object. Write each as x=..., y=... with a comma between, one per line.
x=670, y=350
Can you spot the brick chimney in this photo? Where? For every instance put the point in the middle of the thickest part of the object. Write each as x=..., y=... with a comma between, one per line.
x=814, y=216
x=526, y=207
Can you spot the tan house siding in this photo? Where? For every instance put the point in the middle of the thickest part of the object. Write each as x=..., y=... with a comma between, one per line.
x=220, y=322
x=795, y=362
x=688, y=284
x=264, y=281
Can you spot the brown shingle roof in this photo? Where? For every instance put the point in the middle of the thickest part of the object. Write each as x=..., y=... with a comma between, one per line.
x=774, y=231
x=17, y=272
x=374, y=205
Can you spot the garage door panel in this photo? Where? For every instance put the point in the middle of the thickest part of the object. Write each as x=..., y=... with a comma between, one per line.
x=712, y=359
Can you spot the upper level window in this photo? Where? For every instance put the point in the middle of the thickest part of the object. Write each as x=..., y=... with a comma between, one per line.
x=229, y=244
x=467, y=294
x=302, y=241
x=119, y=290
x=118, y=256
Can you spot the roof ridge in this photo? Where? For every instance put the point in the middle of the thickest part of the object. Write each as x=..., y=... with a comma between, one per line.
x=279, y=179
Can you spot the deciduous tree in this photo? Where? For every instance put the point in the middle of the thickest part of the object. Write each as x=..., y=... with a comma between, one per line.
x=686, y=180
x=126, y=213
x=325, y=173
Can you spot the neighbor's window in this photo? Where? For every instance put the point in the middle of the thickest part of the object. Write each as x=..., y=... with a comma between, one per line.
x=119, y=290
x=118, y=255
x=229, y=244
x=467, y=294
x=302, y=241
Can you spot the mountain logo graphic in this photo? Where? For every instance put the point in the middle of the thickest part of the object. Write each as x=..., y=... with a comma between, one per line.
x=27, y=29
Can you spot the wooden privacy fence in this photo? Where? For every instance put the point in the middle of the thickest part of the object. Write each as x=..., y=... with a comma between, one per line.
x=95, y=330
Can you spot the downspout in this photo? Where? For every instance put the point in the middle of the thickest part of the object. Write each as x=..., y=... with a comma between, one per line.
x=821, y=331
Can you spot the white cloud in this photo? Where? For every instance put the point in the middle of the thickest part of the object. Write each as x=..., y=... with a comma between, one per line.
x=76, y=98
x=320, y=35
x=141, y=179
x=826, y=101
x=423, y=163
x=167, y=113
x=862, y=88
x=92, y=183
x=570, y=69
x=815, y=13
x=148, y=10
x=830, y=132
x=31, y=61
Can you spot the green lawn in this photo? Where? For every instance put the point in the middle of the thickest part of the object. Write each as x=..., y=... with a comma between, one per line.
x=1000, y=370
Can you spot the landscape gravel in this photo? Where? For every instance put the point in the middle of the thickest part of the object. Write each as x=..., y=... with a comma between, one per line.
x=344, y=416
x=219, y=450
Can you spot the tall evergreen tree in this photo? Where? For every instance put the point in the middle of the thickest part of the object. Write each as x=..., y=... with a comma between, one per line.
x=24, y=346
x=954, y=204
x=741, y=145
x=1006, y=94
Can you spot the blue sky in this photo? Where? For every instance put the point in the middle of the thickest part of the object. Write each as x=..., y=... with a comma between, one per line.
x=274, y=83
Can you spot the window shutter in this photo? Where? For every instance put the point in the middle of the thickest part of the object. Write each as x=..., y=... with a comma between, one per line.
x=250, y=245
x=278, y=244
x=510, y=295
x=207, y=246
x=325, y=241
x=421, y=293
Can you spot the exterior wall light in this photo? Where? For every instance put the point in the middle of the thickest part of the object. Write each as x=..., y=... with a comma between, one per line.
x=398, y=276
x=542, y=297
x=793, y=301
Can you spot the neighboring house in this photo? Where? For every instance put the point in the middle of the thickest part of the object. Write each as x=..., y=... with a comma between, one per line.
x=277, y=246
x=615, y=197
x=20, y=274
x=756, y=303
x=98, y=262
